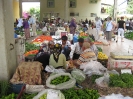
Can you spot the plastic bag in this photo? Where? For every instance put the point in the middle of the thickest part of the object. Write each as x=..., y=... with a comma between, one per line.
x=51, y=69
x=113, y=72
x=103, y=81
x=93, y=68
x=78, y=75
x=49, y=91
x=115, y=96
x=65, y=85
x=34, y=88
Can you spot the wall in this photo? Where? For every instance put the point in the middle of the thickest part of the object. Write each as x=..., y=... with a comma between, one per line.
x=83, y=8
x=16, y=9
x=8, y=57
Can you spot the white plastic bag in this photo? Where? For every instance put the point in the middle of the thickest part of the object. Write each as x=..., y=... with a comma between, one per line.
x=115, y=96
x=34, y=88
x=65, y=85
x=78, y=75
x=50, y=92
x=93, y=68
x=51, y=69
x=103, y=81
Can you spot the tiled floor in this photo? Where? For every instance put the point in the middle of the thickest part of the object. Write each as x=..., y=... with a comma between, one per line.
x=118, y=47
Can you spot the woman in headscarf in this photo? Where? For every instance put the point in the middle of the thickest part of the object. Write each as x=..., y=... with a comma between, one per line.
x=72, y=26
x=44, y=54
x=57, y=59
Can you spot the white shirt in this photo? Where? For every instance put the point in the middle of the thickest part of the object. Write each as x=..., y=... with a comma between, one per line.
x=44, y=29
x=20, y=22
x=109, y=26
x=67, y=43
x=75, y=49
x=31, y=20
x=98, y=24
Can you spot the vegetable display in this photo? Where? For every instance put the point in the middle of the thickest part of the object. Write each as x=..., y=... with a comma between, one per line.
x=32, y=53
x=124, y=80
x=29, y=96
x=102, y=55
x=129, y=35
x=83, y=35
x=30, y=47
x=42, y=38
x=80, y=94
x=10, y=96
x=60, y=80
x=43, y=96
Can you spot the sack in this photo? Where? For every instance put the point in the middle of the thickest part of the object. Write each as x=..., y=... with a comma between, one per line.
x=115, y=96
x=51, y=69
x=65, y=85
x=93, y=67
x=78, y=75
x=50, y=92
x=34, y=88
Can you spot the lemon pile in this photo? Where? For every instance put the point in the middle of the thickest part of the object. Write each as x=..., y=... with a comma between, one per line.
x=102, y=55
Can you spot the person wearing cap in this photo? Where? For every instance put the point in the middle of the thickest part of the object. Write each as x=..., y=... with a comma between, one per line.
x=57, y=59
x=76, y=49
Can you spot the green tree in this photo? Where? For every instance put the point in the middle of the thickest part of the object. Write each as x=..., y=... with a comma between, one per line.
x=110, y=11
x=35, y=12
x=130, y=7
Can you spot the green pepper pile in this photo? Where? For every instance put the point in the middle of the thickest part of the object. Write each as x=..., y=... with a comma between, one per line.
x=10, y=96
x=29, y=96
x=129, y=35
x=30, y=47
x=60, y=80
x=43, y=96
x=81, y=94
x=124, y=80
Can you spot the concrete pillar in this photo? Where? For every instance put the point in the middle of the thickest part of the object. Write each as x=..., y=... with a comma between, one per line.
x=16, y=9
x=7, y=41
x=115, y=9
x=20, y=8
x=66, y=10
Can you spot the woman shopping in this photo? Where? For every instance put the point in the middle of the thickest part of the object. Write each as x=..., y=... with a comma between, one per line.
x=110, y=27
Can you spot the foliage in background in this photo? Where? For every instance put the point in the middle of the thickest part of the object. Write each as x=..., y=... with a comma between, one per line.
x=130, y=7
x=110, y=10
x=35, y=12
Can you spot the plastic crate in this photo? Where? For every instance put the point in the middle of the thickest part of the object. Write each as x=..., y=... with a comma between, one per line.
x=21, y=92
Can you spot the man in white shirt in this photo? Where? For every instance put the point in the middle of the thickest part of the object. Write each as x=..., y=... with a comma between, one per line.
x=98, y=25
x=66, y=46
x=76, y=49
x=32, y=22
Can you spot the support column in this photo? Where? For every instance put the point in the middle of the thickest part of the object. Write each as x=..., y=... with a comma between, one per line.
x=7, y=41
x=66, y=10
x=115, y=9
x=20, y=8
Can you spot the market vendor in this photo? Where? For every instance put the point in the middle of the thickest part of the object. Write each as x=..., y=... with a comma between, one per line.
x=44, y=53
x=87, y=55
x=66, y=46
x=76, y=49
x=57, y=59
